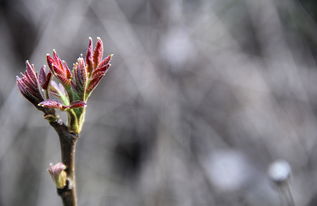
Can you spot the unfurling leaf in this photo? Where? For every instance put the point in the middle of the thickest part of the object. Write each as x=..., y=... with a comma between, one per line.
x=73, y=87
x=59, y=69
x=98, y=52
x=77, y=104
x=51, y=104
x=80, y=74
x=29, y=86
x=89, y=58
x=44, y=79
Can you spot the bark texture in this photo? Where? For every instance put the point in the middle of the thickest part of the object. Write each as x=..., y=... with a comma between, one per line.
x=68, y=142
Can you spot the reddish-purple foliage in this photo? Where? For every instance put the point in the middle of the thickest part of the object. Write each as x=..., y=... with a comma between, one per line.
x=75, y=85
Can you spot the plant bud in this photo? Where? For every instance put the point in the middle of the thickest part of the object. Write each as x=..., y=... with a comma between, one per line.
x=58, y=174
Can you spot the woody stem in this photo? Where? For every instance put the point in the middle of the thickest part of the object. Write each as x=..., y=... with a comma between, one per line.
x=68, y=142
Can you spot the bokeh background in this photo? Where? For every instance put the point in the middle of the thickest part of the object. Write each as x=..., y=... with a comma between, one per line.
x=202, y=96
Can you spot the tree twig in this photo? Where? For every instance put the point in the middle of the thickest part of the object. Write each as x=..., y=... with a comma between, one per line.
x=73, y=91
x=68, y=142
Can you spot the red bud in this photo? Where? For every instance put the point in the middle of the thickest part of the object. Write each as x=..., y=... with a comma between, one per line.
x=29, y=86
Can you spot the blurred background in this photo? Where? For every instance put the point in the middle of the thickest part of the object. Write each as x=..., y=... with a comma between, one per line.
x=202, y=96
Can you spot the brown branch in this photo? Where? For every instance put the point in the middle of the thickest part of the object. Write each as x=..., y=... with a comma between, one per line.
x=78, y=87
x=68, y=142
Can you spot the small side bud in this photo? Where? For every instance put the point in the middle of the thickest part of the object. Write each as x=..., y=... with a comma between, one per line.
x=58, y=174
x=279, y=172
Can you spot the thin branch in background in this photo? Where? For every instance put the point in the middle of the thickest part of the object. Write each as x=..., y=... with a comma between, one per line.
x=280, y=173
